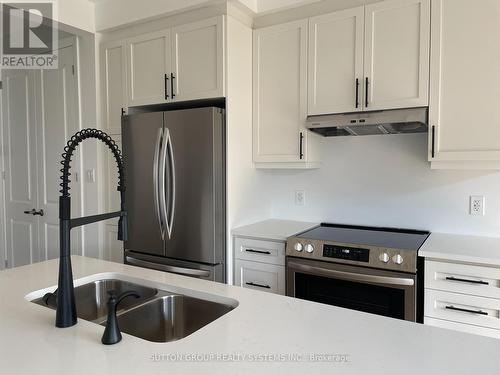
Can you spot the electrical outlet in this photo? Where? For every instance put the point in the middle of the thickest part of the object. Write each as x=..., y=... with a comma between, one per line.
x=477, y=205
x=300, y=197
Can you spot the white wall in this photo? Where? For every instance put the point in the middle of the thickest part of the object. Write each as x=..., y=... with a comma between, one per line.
x=386, y=181
x=247, y=198
x=76, y=13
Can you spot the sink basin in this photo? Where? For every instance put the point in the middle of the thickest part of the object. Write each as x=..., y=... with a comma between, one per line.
x=170, y=317
x=91, y=298
x=158, y=315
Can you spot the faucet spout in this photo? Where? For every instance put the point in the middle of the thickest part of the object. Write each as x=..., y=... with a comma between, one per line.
x=66, y=309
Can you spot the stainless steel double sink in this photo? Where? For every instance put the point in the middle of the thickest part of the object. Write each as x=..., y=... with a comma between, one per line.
x=157, y=315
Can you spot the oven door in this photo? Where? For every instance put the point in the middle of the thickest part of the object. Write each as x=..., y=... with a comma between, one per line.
x=386, y=293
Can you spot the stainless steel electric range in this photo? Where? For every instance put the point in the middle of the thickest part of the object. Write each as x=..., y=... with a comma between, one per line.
x=370, y=269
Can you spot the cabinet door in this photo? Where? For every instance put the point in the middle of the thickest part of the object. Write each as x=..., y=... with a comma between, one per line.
x=260, y=276
x=335, y=70
x=114, y=93
x=148, y=58
x=396, y=62
x=280, y=93
x=198, y=59
x=465, y=82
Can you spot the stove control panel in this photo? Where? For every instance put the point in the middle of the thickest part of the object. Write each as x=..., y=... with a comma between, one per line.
x=369, y=256
x=346, y=253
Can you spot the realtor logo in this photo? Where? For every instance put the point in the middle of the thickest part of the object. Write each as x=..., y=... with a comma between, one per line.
x=29, y=38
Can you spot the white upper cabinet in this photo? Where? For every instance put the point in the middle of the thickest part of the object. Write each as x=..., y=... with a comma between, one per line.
x=465, y=84
x=149, y=63
x=370, y=58
x=396, y=58
x=113, y=78
x=198, y=60
x=182, y=63
x=280, y=96
x=335, y=71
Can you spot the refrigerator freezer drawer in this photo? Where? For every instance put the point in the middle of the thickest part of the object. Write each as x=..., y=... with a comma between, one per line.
x=201, y=271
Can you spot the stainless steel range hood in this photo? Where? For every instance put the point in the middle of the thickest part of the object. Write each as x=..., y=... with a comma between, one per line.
x=398, y=121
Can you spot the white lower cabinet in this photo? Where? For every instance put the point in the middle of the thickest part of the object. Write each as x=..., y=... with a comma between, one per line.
x=259, y=264
x=260, y=276
x=464, y=297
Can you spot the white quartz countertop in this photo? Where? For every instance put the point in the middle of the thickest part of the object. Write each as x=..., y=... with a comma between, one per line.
x=263, y=326
x=460, y=248
x=273, y=229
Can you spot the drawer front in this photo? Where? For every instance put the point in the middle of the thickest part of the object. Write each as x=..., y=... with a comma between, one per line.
x=462, y=308
x=259, y=250
x=260, y=276
x=495, y=333
x=463, y=278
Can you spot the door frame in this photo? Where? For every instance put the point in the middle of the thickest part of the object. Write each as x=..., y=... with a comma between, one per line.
x=3, y=244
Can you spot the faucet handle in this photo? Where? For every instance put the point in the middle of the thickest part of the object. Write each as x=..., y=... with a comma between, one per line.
x=112, y=334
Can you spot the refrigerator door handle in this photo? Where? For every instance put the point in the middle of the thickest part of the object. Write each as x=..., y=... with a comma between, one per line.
x=167, y=268
x=155, y=180
x=167, y=208
x=172, y=185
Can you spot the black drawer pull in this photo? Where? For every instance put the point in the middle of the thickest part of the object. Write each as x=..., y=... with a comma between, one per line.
x=301, y=146
x=433, y=146
x=357, y=92
x=166, y=86
x=479, y=312
x=172, y=77
x=366, y=92
x=259, y=285
x=258, y=251
x=452, y=278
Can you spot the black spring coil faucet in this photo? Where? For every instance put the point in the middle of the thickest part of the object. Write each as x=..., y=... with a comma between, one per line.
x=65, y=295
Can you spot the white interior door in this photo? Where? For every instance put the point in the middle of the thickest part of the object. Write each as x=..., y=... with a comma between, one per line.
x=57, y=92
x=397, y=43
x=20, y=152
x=335, y=69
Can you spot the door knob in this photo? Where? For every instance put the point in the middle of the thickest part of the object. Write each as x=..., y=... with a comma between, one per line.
x=34, y=212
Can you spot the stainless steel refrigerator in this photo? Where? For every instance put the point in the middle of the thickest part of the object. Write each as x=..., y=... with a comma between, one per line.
x=175, y=191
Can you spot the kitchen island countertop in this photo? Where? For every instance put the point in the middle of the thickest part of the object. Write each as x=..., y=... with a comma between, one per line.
x=264, y=334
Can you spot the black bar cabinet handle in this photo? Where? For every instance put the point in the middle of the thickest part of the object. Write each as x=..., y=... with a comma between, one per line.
x=301, y=147
x=166, y=86
x=479, y=312
x=433, y=147
x=366, y=92
x=258, y=251
x=357, y=92
x=258, y=285
x=172, y=84
x=453, y=278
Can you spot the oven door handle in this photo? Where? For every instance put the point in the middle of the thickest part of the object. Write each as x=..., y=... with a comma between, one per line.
x=386, y=280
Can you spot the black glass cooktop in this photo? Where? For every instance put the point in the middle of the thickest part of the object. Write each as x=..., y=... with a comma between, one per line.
x=369, y=236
